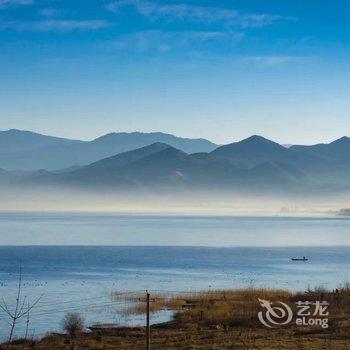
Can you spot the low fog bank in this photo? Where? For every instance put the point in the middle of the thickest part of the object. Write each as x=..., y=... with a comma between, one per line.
x=179, y=202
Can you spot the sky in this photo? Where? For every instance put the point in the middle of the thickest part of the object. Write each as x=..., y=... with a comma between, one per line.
x=221, y=70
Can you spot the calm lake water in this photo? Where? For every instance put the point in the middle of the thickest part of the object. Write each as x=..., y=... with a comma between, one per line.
x=159, y=253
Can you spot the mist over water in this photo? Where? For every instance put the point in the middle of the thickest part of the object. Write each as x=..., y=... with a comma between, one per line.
x=51, y=228
x=181, y=201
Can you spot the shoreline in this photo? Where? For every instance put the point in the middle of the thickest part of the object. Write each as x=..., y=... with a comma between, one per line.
x=218, y=320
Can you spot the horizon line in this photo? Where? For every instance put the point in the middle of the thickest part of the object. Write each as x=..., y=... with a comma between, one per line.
x=285, y=144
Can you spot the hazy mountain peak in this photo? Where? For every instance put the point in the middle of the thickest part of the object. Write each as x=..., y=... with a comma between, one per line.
x=342, y=140
x=32, y=134
x=124, y=158
x=15, y=131
x=16, y=145
x=259, y=140
x=140, y=134
x=336, y=151
x=154, y=147
x=253, y=151
x=254, y=142
x=111, y=136
x=18, y=131
x=173, y=151
x=255, y=138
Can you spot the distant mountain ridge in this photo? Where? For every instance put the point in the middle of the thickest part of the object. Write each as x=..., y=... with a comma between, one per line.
x=253, y=150
x=27, y=150
x=13, y=140
x=253, y=164
x=160, y=167
x=336, y=150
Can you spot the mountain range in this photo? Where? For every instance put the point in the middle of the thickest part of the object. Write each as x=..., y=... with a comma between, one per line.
x=26, y=150
x=336, y=150
x=253, y=164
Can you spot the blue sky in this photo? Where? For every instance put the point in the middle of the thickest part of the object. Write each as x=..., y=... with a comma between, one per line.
x=217, y=69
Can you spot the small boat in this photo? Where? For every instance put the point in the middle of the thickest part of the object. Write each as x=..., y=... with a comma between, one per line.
x=300, y=259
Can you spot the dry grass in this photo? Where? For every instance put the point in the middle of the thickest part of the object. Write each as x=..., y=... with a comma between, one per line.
x=219, y=320
x=237, y=307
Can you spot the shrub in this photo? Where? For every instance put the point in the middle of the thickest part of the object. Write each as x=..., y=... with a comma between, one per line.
x=73, y=323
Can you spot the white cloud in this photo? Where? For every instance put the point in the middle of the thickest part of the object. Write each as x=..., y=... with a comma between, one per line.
x=68, y=25
x=56, y=25
x=50, y=12
x=5, y=3
x=163, y=41
x=195, y=14
x=273, y=60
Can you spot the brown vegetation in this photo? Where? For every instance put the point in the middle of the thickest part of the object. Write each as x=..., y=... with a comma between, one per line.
x=220, y=320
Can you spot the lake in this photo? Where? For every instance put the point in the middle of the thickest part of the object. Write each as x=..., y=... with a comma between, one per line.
x=78, y=260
